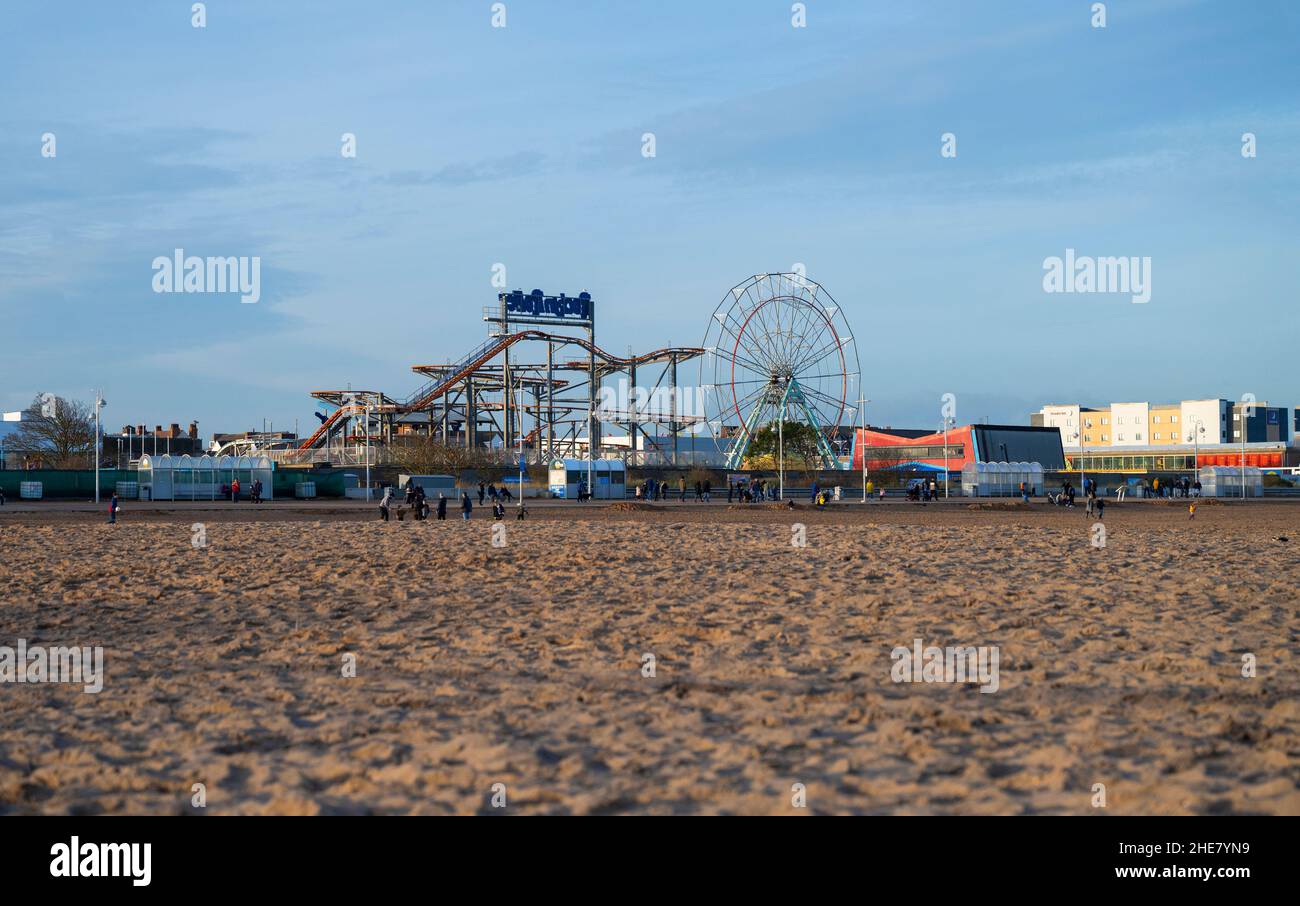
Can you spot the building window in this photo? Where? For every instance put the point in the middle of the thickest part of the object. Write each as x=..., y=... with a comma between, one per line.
x=1156, y=419
x=1120, y=437
x=1156, y=436
x=1173, y=419
x=1104, y=438
x=1137, y=436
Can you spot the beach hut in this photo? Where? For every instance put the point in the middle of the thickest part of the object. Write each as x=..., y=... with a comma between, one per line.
x=608, y=478
x=154, y=477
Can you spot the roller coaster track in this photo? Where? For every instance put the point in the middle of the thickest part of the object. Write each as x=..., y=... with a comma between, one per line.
x=447, y=377
x=423, y=397
x=328, y=425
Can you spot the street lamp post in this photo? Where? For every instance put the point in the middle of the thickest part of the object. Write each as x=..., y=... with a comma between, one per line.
x=366, y=428
x=948, y=421
x=99, y=404
x=780, y=454
x=862, y=405
x=1079, y=434
x=1197, y=431
x=519, y=407
x=1243, y=454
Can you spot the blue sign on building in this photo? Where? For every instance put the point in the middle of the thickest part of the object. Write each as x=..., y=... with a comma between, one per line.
x=538, y=304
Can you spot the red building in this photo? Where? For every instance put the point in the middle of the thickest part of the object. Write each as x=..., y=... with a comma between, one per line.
x=889, y=448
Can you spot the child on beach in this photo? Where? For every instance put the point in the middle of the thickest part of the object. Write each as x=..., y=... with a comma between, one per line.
x=385, y=502
x=1101, y=507
x=113, y=507
x=442, y=505
x=1191, y=511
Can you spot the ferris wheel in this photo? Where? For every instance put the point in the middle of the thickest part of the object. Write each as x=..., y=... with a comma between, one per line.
x=778, y=348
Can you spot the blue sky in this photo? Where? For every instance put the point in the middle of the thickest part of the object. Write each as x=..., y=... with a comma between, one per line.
x=522, y=146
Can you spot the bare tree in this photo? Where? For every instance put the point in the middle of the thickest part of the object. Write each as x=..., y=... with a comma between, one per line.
x=420, y=454
x=885, y=464
x=59, y=433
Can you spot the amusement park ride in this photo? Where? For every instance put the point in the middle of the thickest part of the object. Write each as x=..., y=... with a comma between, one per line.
x=778, y=350
x=776, y=344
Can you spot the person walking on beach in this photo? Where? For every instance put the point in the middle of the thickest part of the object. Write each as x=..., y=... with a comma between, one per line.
x=481, y=493
x=113, y=507
x=385, y=502
x=466, y=505
x=1101, y=507
x=234, y=490
x=442, y=506
x=498, y=510
x=708, y=490
x=681, y=486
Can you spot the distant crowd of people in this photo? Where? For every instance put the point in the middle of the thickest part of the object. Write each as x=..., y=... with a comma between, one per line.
x=421, y=508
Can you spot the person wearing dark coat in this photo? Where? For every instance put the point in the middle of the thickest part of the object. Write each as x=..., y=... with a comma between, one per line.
x=442, y=506
x=466, y=506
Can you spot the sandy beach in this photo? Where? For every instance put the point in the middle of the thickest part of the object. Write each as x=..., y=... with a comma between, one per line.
x=524, y=664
